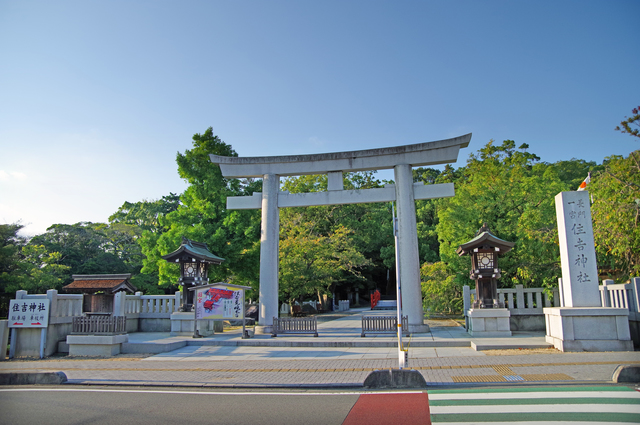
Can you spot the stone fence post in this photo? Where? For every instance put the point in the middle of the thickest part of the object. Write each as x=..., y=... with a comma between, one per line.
x=4, y=339
x=466, y=298
x=176, y=304
x=52, y=295
x=520, y=296
x=560, y=293
x=635, y=294
x=604, y=293
x=119, y=303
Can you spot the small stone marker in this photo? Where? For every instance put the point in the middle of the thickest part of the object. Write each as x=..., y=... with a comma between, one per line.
x=394, y=378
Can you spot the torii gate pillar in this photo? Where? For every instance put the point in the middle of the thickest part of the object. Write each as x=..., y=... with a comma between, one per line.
x=408, y=255
x=269, y=249
x=404, y=192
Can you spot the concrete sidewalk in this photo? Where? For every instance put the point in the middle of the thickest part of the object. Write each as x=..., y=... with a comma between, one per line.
x=339, y=357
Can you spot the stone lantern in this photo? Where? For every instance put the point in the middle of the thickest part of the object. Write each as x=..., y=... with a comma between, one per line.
x=194, y=259
x=484, y=249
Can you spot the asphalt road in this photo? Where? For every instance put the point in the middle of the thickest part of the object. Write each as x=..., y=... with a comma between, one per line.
x=572, y=405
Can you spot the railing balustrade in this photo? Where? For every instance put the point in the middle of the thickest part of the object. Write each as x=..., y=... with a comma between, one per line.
x=294, y=325
x=157, y=306
x=383, y=324
x=99, y=325
x=519, y=300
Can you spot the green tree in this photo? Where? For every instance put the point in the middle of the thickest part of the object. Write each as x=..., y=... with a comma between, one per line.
x=146, y=215
x=629, y=121
x=83, y=247
x=574, y=171
x=513, y=193
x=427, y=217
x=616, y=216
x=10, y=246
x=368, y=227
x=202, y=216
x=310, y=262
x=440, y=293
x=39, y=270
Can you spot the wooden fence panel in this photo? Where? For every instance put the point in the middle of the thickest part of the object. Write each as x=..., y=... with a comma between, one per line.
x=294, y=325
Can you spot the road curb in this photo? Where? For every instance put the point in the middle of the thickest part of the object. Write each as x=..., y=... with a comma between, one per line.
x=626, y=374
x=32, y=378
x=395, y=378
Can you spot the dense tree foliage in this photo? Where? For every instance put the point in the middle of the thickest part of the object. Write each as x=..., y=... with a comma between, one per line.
x=513, y=193
x=616, y=216
x=85, y=248
x=10, y=245
x=202, y=216
x=26, y=266
x=332, y=249
x=146, y=215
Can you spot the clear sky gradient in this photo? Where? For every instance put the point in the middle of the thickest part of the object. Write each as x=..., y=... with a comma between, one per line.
x=97, y=97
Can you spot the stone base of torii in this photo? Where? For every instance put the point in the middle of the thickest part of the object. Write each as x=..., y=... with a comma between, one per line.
x=400, y=158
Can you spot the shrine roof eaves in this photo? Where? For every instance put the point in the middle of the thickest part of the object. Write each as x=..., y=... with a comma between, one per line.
x=196, y=250
x=483, y=238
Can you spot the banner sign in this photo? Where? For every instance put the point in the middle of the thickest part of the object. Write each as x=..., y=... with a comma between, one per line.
x=28, y=313
x=220, y=302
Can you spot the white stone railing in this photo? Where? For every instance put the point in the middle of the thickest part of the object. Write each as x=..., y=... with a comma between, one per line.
x=519, y=300
x=622, y=295
x=68, y=305
x=61, y=307
x=152, y=306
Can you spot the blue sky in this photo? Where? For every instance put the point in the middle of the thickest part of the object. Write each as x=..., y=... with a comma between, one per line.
x=97, y=97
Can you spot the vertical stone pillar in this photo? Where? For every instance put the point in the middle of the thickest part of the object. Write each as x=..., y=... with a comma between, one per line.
x=269, y=248
x=409, y=261
x=52, y=295
x=577, y=250
x=119, y=301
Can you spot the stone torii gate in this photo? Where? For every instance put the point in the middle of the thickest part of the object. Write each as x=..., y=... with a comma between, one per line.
x=404, y=193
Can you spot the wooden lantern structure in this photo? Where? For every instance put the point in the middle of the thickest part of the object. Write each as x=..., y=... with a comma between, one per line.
x=484, y=249
x=194, y=259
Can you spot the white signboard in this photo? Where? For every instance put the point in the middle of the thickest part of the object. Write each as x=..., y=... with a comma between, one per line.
x=29, y=313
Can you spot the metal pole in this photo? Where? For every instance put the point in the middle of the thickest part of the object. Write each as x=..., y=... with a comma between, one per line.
x=401, y=353
x=14, y=339
x=243, y=317
x=43, y=341
x=195, y=314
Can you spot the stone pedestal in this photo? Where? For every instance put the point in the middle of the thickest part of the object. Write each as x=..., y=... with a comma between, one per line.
x=263, y=330
x=182, y=325
x=588, y=328
x=96, y=345
x=489, y=322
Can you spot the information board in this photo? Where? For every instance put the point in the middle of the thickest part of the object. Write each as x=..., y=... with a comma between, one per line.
x=28, y=313
x=220, y=302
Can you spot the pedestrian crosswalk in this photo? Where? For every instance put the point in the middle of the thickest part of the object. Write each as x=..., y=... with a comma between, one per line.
x=550, y=405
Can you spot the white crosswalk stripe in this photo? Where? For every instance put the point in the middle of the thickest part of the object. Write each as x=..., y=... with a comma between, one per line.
x=552, y=405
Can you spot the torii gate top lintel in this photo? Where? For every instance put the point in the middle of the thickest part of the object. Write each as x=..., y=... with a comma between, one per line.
x=420, y=154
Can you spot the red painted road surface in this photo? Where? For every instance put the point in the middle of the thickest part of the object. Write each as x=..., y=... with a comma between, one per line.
x=389, y=409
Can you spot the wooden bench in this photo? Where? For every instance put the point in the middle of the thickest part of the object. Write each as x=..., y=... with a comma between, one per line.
x=383, y=324
x=294, y=325
x=296, y=311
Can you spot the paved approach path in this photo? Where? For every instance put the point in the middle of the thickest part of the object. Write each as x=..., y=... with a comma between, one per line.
x=339, y=357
